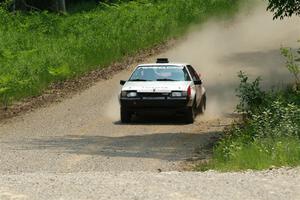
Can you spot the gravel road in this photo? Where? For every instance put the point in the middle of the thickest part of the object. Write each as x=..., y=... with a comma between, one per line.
x=272, y=185
x=78, y=149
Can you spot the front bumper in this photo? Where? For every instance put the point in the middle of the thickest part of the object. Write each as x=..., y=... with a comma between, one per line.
x=155, y=105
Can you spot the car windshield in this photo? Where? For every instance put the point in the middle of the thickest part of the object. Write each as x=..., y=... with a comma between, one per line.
x=160, y=73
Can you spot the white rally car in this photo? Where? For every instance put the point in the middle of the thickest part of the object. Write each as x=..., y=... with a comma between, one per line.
x=163, y=87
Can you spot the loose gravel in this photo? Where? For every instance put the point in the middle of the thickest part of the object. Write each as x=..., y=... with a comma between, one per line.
x=269, y=185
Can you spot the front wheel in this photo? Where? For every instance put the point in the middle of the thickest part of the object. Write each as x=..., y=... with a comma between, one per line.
x=190, y=115
x=125, y=116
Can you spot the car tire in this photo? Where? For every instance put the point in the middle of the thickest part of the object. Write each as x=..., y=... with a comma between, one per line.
x=125, y=116
x=190, y=115
x=203, y=104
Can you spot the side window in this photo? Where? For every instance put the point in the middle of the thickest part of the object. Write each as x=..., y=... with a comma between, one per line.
x=193, y=73
x=186, y=75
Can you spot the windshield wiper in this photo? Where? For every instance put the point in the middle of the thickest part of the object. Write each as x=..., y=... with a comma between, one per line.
x=138, y=80
x=165, y=79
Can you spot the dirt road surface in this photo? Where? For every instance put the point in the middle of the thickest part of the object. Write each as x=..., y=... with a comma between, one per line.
x=78, y=149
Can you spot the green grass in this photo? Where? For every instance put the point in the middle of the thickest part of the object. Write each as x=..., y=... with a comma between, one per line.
x=258, y=155
x=40, y=48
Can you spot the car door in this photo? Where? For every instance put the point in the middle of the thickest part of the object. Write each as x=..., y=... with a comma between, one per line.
x=198, y=88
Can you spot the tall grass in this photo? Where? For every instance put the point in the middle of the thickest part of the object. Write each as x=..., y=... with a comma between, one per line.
x=39, y=48
x=260, y=154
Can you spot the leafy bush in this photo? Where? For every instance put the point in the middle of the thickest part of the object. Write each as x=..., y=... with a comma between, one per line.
x=250, y=94
x=269, y=135
x=39, y=48
x=278, y=120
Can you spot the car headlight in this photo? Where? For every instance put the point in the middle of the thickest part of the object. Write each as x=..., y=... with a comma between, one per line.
x=128, y=94
x=179, y=94
x=132, y=94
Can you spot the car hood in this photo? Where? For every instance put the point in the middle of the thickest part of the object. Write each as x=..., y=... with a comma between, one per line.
x=156, y=86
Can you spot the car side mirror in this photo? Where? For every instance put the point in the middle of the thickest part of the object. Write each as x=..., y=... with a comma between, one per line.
x=198, y=82
x=122, y=82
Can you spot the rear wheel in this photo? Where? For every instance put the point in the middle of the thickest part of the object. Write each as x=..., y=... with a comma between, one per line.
x=125, y=116
x=203, y=104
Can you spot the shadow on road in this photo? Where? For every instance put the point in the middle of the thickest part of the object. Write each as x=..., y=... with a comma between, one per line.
x=152, y=119
x=165, y=146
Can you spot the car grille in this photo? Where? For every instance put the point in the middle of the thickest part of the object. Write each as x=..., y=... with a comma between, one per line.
x=153, y=94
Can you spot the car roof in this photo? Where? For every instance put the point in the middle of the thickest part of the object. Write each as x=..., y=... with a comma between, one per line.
x=163, y=64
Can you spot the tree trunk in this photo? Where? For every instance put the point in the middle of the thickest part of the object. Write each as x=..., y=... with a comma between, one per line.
x=61, y=5
x=14, y=6
x=19, y=5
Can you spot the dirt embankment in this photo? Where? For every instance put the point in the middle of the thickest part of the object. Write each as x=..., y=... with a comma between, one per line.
x=66, y=89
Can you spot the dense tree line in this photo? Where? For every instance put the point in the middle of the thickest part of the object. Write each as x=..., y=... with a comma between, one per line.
x=52, y=5
x=280, y=8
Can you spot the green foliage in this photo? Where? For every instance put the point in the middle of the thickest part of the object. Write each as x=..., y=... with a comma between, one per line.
x=5, y=4
x=60, y=73
x=250, y=94
x=39, y=48
x=284, y=8
x=268, y=136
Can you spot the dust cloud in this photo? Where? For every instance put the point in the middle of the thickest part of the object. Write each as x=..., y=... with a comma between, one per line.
x=112, y=109
x=249, y=42
x=220, y=48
